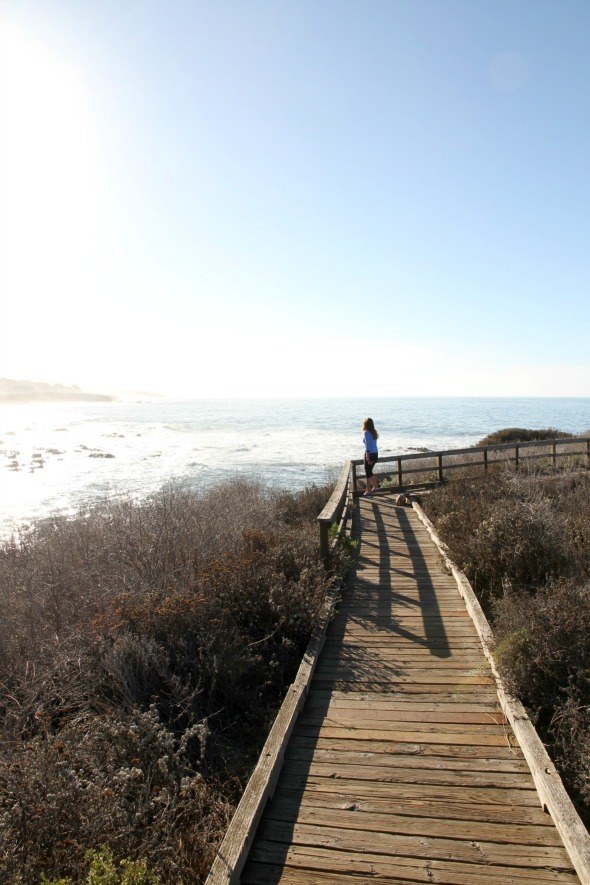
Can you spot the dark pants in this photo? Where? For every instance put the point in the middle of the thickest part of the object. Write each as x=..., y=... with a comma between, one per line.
x=370, y=461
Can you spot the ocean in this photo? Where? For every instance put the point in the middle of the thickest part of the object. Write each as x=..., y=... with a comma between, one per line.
x=59, y=457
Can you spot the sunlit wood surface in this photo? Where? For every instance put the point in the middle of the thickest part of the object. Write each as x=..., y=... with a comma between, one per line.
x=402, y=767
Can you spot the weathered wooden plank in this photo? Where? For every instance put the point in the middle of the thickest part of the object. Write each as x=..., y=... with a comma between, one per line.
x=400, y=675
x=345, y=716
x=407, y=774
x=407, y=641
x=273, y=862
x=371, y=821
x=426, y=807
x=456, y=751
x=397, y=646
x=350, y=756
x=357, y=724
x=480, y=852
x=445, y=701
x=402, y=790
x=408, y=664
x=398, y=686
x=263, y=873
x=398, y=775
x=411, y=628
x=375, y=610
x=395, y=642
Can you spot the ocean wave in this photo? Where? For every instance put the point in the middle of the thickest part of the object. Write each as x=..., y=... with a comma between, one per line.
x=307, y=438
x=181, y=427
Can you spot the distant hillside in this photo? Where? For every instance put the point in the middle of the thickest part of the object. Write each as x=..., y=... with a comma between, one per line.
x=12, y=391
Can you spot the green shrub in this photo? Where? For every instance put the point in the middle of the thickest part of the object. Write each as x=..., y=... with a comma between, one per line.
x=104, y=871
x=521, y=434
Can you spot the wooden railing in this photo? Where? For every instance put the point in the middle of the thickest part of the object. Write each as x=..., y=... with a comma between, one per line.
x=337, y=511
x=435, y=465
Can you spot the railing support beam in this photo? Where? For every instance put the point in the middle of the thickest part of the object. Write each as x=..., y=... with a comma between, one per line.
x=325, y=543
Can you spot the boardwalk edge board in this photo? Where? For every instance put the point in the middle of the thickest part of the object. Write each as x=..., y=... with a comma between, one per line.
x=233, y=851
x=552, y=793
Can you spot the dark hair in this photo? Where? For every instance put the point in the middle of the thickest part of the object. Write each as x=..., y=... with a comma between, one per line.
x=368, y=425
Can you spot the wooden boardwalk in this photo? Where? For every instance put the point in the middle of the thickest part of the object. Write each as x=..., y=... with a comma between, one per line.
x=402, y=767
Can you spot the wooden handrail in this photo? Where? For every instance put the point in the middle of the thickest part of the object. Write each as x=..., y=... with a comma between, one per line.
x=335, y=510
x=418, y=456
x=577, y=445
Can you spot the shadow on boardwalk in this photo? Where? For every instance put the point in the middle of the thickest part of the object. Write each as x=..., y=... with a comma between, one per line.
x=401, y=766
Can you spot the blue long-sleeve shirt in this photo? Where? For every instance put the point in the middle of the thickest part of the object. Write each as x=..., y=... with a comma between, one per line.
x=370, y=443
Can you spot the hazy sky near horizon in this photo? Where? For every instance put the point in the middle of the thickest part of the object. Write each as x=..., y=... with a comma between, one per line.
x=313, y=197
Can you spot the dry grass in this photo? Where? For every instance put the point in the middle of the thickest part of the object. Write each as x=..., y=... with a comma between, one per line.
x=144, y=651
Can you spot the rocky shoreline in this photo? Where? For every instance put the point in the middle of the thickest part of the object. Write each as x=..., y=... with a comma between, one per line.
x=16, y=392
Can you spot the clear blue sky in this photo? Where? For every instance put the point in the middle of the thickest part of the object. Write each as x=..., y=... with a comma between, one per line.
x=316, y=196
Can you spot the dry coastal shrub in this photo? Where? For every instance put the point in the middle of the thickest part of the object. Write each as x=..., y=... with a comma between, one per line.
x=518, y=543
x=145, y=651
x=126, y=782
x=543, y=650
x=522, y=539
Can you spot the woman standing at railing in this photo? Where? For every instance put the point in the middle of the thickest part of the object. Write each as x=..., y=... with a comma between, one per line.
x=370, y=437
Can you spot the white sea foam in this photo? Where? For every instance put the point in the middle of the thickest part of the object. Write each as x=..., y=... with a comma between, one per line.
x=58, y=457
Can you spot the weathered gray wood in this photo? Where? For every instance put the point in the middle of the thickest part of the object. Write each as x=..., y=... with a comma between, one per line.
x=335, y=503
x=329, y=866
x=478, y=852
x=335, y=511
x=579, y=441
x=549, y=785
x=461, y=465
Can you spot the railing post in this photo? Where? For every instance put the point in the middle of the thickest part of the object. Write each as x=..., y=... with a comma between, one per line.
x=516, y=451
x=588, y=451
x=399, y=471
x=554, y=454
x=485, y=459
x=440, y=468
x=354, y=484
